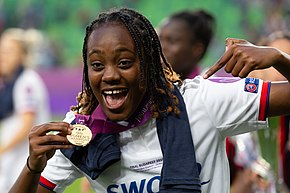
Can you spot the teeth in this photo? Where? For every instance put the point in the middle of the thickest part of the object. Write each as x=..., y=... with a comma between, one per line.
x=110, y=92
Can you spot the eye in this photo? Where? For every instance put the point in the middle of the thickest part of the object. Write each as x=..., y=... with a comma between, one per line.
x=172, y=40
x=98, y=66
x=125, y=64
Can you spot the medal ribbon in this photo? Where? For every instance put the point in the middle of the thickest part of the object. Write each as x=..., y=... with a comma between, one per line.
x=99, y=123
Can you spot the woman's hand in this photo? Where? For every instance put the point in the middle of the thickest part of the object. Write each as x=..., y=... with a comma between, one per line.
x=43, y=143
x=242, y=57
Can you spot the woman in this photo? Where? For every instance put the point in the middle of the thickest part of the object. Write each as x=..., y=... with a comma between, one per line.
x=146, y=129
x=185, y=37
x=24, y=103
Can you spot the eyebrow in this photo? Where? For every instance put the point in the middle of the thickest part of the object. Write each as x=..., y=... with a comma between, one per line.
x=120, y=49
x=95, y=51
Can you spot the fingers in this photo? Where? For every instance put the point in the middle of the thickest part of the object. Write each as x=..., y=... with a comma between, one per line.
x=230, y=65
x=219, y=64
x=41, y=140
x=232, y=41
x=42, y=135
x=47, y=151
x=235, y=59
x=43, y=144
x=50, y=140
x=244, y=72
x=62, y=128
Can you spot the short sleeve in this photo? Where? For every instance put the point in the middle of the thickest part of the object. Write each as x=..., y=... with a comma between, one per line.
x=59, y=173
x=231, y=105
x=29, y=92
x=237, y=107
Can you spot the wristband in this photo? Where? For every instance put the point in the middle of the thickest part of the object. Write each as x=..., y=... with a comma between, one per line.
x=30, y=170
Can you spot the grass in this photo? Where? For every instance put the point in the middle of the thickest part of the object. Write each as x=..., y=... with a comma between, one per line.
x=75, y=187
x=268, y=143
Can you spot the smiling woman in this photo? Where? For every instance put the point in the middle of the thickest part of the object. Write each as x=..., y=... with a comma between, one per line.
x=151, y=132
x=114, y=71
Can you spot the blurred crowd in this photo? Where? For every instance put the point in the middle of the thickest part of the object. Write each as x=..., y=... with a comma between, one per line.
x=248, y=19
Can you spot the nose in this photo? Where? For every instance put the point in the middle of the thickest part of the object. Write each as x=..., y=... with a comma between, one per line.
x=111, y=74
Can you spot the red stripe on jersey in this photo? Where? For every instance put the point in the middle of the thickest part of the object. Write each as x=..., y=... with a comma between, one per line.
x=47, y=184
x=264, y=101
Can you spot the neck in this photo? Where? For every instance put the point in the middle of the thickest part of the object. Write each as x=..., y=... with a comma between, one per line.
x=193, y=73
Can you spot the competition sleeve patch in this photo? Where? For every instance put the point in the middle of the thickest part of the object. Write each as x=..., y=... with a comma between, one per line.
x=47, y=184
x=251, y=85
x=264, y=101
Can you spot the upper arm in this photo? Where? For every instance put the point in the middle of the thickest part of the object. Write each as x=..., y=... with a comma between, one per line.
x=28, y=120
x=269, y=74
x=279, y=99
x=234, y=105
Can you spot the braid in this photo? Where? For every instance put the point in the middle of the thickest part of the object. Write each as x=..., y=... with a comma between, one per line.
x=155, y=70
x=86, y=99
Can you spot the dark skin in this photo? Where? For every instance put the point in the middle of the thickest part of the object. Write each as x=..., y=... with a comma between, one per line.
x=179, y=47
x=41, y=148
x=240, y=58
x=114, y=67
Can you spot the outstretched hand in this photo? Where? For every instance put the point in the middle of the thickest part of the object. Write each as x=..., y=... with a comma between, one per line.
x=42, y=145
x=241, y=57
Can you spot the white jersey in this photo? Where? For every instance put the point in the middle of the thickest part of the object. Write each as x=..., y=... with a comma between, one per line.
x=29, y=95
x=215, y=111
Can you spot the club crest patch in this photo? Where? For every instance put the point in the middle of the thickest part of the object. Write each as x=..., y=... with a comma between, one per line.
x=251, y=85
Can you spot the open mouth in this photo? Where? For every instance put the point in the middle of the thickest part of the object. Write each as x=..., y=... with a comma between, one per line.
x=115, y=98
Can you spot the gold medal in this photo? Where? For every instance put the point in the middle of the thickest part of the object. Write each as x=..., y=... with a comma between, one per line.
x=81, y=135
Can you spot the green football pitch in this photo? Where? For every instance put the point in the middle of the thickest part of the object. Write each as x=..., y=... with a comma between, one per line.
x=75, y=187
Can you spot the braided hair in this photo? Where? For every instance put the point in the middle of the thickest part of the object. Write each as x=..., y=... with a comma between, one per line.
x=155, y=70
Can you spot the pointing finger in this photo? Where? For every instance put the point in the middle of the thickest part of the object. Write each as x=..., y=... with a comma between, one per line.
x=219, y=64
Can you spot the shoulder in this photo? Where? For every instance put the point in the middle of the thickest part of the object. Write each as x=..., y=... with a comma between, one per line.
x=200, y=85
x=189, y=84
x=30, y=78
x=29, y=74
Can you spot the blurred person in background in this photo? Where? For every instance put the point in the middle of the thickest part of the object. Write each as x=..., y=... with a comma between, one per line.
x=41, y=51
x=249, y=172
x=185, y=37
x=24, y=103
x=281, y=41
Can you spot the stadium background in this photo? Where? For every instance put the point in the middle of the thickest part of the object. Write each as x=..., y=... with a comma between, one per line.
x=63, y=23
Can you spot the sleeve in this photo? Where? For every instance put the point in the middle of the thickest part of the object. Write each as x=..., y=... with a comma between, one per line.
x=236, y=107
x=28, y=92
x=59, y=173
